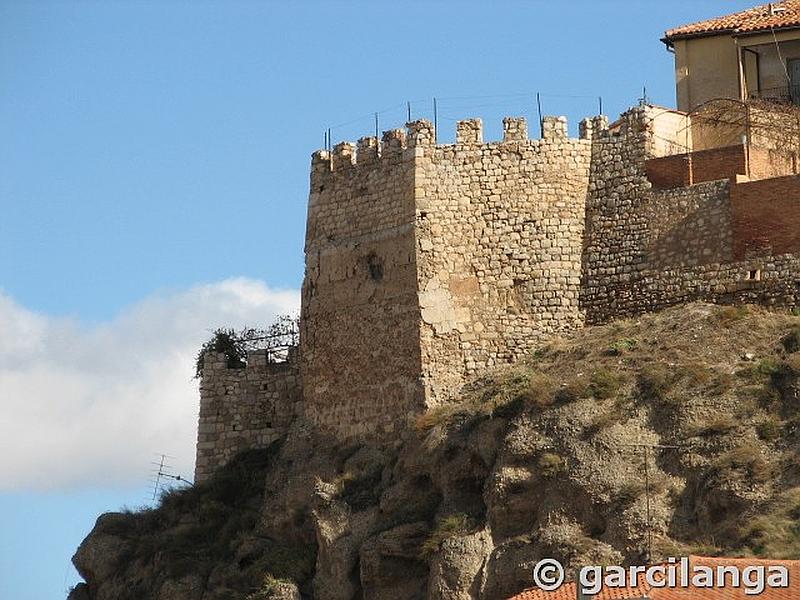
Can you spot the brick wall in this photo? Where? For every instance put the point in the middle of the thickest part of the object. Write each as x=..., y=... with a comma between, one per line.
x=766, y=216
x=696, y=167
x=719, y=163
x=647, y=249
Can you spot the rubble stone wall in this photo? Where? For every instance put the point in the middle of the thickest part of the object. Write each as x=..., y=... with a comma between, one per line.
x=426, y=264
x=647, y=249
x=499, y=241
x=360, y=317
x=243, y=408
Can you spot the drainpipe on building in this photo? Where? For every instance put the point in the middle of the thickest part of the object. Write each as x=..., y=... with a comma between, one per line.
x=740, y=65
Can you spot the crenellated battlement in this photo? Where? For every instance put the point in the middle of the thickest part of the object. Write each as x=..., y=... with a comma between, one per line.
x=428, y=263
x=421, y=134
x=244, y=407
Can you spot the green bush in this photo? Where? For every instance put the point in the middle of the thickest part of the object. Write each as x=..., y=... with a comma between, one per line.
x=776, y=533
x=718, y=425
x=576, y=388
x=769, y=429
x=198, y=529
x=629, y=492
x=605, y=383
x=745, y=461
x=622, y=346
x=226, y=342
x=785, y=375
x=731, y=314
x=655, y=381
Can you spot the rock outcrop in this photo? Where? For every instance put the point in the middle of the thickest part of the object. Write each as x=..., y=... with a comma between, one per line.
x=546, y=458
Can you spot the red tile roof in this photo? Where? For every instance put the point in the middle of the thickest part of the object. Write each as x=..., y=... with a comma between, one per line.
x=766, y=17
x=568, y=590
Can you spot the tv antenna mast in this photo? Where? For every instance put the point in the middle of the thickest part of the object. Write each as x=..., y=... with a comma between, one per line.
x=162, y=471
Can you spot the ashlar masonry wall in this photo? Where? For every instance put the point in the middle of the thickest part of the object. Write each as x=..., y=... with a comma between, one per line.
x=244, y=408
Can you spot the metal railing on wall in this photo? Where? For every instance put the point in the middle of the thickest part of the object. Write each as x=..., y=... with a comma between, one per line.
x=442, y=110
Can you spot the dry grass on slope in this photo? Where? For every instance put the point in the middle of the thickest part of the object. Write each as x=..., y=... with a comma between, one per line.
x=721, y=383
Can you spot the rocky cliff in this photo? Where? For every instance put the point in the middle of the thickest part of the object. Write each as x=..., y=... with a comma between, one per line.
x=668, y=434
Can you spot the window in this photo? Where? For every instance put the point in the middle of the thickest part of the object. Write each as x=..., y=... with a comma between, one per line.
x=793, y=67
x=375, y=267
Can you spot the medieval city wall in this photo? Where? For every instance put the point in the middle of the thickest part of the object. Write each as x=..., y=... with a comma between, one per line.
x=499, y=241
x=360, y=317
x=244, y=408
x=428, y=264
x=649, y=248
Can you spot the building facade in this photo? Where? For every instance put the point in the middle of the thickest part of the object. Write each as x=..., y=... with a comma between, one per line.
x=746, y=55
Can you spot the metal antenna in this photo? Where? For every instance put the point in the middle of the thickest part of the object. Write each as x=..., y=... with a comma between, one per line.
x=163, y=472
x=435, y=121
x=159, y=475
x=541, y=118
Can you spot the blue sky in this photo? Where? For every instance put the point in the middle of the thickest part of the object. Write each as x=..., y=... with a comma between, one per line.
x=153, y=171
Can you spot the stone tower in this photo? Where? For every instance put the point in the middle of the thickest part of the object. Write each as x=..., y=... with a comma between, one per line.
x=427, y=264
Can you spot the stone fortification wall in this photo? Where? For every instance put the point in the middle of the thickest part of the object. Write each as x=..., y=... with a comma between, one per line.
x=243, y=408
x=647, y=249
x=688, y=227
x=426, y=264
x=360, y=317
x=499, y=240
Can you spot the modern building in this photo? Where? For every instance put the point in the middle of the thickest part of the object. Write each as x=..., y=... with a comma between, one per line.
x=750, y=54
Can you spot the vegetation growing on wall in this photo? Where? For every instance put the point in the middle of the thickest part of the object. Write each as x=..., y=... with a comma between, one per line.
x=276, y=339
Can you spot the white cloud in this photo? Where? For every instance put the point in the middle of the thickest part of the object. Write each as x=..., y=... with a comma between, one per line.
x=91, y=405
